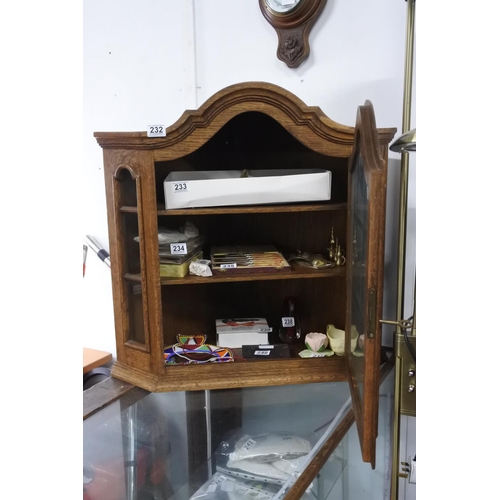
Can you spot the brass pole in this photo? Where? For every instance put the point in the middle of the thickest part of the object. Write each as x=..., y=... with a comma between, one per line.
x=403, y=187
x=396, y=428
x=414, y=321
x=403, y=206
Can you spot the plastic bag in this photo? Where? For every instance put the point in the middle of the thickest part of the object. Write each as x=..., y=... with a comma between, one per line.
x=166, y=236
x=290, y=466
x=223, y=487
x=259, y=470
x=271, y=458
x=270, y=447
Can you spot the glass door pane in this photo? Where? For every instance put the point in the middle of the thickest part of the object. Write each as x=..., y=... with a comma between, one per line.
x=365, y=253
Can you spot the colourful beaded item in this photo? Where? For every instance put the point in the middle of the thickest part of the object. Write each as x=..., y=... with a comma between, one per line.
x=191, y=349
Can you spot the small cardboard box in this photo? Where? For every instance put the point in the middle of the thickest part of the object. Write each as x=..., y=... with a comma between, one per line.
x=248, y=187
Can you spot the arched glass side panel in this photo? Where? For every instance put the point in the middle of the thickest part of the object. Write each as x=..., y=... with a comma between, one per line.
x=126, y=187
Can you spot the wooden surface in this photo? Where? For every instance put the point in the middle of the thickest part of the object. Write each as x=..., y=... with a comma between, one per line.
x=92, y=358
x=237, y=374
x=367, y=175
x=298, y=272
x=309, y=124
x=102, y=394
x=252, y=209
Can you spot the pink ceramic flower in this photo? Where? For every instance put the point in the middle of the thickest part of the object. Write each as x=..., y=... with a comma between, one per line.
x=316, y=342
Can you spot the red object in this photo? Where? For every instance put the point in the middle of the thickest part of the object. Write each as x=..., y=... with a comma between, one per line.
x=107, y=481
x=157, y=470
x=290, y=331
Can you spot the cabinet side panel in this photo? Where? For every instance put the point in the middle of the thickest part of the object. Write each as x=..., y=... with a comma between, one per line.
x=127, y=185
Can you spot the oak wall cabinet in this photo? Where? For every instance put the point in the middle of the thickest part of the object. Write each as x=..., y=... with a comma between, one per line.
x=248, y=126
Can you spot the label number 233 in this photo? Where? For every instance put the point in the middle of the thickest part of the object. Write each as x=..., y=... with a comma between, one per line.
x=180, y=186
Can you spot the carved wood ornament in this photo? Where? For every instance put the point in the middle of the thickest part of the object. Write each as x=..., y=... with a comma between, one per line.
x=292, y=20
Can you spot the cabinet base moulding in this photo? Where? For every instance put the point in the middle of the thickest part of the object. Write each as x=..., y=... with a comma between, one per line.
x=236, y=374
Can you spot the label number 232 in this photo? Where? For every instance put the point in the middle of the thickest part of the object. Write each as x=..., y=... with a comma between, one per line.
x=156, y=131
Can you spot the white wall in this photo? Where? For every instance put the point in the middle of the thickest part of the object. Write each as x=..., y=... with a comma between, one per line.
x=133, y=76
x=146, y=62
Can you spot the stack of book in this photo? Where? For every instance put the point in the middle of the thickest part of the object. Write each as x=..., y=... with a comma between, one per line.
x=237, y=332
x=176, y=257
x=247, y=260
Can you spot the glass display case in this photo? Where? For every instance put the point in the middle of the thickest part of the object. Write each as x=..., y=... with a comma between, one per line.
x=294, y=441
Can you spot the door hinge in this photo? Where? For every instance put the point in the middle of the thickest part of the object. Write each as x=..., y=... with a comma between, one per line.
x=372, y=310
x=409, y=470
x=405, y=469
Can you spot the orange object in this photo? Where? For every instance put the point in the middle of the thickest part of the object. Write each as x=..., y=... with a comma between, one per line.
x=92, y=358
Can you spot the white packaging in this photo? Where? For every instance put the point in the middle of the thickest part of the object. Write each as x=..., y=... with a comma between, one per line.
x=233, y=187
x=200, y=267
x=220, y=486
x=230, y=325
x=259, y=469
x=236, y=340
x=290, y=466
x=270, y=447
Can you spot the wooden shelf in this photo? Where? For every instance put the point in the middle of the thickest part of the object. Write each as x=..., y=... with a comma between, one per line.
x=298, y=272
x=133, y=277
x=249, y=209
x=240, y=374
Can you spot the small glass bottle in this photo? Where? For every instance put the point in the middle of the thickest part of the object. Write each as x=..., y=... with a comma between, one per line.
x=290, y=331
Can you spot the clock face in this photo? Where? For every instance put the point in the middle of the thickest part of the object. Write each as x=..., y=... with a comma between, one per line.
x=282, y=6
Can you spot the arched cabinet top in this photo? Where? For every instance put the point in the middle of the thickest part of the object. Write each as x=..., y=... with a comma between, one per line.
x=307, y=124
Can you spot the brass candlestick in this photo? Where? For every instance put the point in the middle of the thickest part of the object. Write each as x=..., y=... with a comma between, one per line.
x=339, y=255
x=332, y=249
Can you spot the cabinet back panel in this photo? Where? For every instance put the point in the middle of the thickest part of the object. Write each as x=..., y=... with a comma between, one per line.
x=134, y=307
x=193, y=309
x=253, y=140
x=128, y=188
x=130, y=230
x=289, y=232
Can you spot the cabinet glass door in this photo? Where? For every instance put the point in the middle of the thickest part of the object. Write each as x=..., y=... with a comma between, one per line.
x=365, y=253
